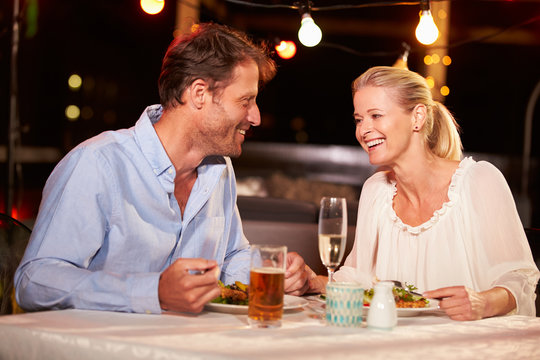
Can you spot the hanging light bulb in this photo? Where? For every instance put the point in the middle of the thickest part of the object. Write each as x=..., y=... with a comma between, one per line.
x=401, y=61
x=309, y=34
x=152, y=7
x=426, y=31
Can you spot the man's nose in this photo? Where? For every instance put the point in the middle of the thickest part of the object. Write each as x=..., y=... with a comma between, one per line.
x=254, y=116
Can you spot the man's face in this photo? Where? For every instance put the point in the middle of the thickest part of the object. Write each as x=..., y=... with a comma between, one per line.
x=231, y=112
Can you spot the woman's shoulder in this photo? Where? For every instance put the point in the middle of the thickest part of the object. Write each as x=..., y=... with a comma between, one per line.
x=378, y=179
x=480, y=173
x=480, y=168
x=376, y=186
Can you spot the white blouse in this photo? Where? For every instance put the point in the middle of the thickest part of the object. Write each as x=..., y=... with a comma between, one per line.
x=476, y=239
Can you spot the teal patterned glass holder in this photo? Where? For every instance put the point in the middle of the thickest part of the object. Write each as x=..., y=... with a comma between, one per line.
x=344, y=304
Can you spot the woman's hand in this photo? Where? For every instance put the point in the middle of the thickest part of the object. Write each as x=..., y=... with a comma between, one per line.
x=462, y=303
x=459, y=302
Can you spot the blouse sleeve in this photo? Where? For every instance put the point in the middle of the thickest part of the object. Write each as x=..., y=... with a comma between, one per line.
x=498, y=243
x=360, y=264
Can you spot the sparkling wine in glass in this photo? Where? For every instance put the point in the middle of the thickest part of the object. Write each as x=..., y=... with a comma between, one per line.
x=332, y=232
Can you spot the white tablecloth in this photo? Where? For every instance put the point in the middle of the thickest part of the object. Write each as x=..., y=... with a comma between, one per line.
x=81, y=334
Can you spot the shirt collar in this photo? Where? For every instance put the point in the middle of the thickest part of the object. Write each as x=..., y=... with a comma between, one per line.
x=209, y=171
x=149, y=142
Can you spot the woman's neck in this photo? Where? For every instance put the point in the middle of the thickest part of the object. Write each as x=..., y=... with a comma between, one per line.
x=422, y=188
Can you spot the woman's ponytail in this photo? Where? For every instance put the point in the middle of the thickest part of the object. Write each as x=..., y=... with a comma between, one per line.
x=443, y=139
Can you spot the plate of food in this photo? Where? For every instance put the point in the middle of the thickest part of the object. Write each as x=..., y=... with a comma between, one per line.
x=408, y=302
x=234, y=300
x=404, y=312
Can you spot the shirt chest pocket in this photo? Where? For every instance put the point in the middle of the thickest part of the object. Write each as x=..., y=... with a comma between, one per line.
x=205, y=238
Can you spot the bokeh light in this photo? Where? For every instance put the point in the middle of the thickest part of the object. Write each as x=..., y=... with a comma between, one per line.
x=446, y=60
x=442, y=14
x=72, y=112
x=445, y=90
x=430, y=82
x=286, y=49
x=74, y=82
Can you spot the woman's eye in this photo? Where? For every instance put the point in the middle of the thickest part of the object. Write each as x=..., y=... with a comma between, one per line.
x=357, y=121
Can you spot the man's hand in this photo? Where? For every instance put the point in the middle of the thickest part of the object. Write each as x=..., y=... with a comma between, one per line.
x=297, y=275
x=179, y=290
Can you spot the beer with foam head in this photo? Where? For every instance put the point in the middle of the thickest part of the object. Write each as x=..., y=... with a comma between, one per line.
x=266, y=289
x=266, y=285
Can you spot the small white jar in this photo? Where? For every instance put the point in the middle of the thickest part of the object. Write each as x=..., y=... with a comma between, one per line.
x=382, y=313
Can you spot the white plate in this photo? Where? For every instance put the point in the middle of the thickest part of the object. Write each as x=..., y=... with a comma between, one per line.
x=289, y=303
x=406, y=312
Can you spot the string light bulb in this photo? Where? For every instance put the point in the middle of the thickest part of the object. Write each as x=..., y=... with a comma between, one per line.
x=401, y=62
x=152, y=7
x=309, y=34
x=426, y=31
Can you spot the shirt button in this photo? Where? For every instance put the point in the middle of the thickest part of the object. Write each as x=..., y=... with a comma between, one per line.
x=170, y=171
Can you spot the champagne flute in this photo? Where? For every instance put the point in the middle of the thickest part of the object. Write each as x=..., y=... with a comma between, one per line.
x=332, y=232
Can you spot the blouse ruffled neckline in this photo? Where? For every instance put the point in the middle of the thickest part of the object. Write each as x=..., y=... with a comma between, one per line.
x=452, y=196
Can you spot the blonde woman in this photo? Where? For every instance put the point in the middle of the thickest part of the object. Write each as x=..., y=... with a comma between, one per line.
x=430, y=218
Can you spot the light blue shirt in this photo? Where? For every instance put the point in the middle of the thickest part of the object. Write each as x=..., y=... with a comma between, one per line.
x=109, y=224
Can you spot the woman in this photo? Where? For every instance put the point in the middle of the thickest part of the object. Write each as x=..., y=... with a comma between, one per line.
x=428, y=218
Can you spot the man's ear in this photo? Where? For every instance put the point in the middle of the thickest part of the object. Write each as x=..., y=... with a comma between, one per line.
x=419, y=116
x=198, y=93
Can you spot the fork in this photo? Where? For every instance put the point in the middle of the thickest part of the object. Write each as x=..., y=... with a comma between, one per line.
x=398, y=284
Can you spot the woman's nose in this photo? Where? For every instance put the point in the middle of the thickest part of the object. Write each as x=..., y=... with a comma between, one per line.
x=365, y=128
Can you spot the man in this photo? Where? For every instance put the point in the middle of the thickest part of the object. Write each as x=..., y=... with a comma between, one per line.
x=145, y=219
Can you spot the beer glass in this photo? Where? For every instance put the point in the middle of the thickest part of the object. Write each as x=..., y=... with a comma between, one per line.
x=266, y=285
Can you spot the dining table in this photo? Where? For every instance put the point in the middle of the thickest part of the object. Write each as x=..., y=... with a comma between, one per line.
x=223, y=333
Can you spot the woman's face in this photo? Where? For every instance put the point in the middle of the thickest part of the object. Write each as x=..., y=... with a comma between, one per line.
x=383, y=128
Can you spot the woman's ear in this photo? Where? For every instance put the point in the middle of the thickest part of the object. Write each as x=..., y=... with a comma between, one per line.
x=419, y=116
x=197, y=93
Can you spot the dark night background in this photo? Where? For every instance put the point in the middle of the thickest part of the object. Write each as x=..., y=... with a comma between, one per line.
x=119, y=47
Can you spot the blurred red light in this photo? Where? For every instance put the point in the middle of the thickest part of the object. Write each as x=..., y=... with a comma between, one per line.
x=286, y=49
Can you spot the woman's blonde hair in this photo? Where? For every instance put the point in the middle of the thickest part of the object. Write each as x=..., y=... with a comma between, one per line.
x=441, y=131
